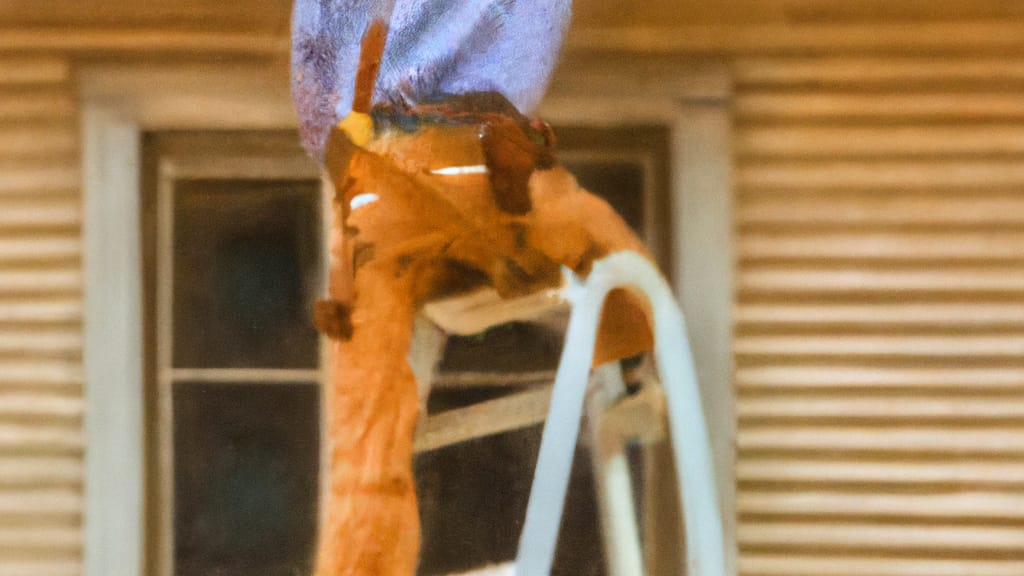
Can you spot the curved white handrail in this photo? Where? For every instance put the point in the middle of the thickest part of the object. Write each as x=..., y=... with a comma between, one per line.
x=694, y=466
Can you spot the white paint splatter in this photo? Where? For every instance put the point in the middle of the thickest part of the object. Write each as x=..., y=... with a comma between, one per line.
x=361, y=200
x=459, y=170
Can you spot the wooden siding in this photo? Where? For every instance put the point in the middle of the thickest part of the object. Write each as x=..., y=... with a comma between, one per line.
x=271, y=16
x=879, y=219
x=41, y=404
x=263, y=16
x=880, y=316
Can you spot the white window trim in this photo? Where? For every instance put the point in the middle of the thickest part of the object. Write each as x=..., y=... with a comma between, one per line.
x=172, y=169
x=119, y=103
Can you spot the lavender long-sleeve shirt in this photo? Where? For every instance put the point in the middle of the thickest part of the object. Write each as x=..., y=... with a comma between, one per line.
x=434, y=48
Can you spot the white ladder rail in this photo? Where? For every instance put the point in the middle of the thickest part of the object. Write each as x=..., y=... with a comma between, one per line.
x=687, y=427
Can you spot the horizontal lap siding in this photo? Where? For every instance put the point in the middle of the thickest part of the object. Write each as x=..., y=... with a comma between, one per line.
x=880, y=316
x=41, y=403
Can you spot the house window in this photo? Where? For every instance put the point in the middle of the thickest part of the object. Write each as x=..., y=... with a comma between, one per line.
x=240, y=370
x=234, y=261
x=235, y=255
x=629, y=167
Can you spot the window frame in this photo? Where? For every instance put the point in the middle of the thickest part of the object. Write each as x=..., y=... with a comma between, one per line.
x=172, y=167
x=121, y=102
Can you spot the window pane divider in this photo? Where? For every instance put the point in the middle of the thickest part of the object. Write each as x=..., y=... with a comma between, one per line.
x=245, y=167
x=464, y=379
x=245, y=375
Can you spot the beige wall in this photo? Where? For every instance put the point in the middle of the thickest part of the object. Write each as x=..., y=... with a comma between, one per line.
x=879, y=323
x=880, y=316
x=42, y=401
x=41, y=441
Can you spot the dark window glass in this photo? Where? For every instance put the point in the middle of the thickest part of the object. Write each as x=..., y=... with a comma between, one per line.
x=246, y=256
x=629, y=166
x=473, y=500
x=512, y=347
x=246, y=460
x=620, y=183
